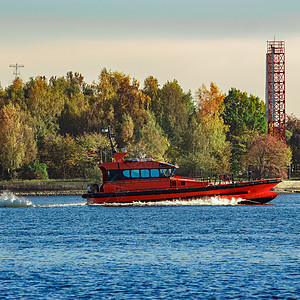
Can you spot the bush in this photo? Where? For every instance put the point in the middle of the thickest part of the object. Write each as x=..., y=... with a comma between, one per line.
x=34, y=170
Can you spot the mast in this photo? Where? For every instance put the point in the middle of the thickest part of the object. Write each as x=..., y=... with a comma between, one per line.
x=108, y=131
x=119, y=156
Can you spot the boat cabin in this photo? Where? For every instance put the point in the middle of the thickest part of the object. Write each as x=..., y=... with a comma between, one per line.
x=129, y=174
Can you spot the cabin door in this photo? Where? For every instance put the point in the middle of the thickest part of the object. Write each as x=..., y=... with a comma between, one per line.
x=173, y=183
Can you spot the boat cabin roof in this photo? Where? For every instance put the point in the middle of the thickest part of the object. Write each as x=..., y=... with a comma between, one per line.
x=135, y=169
x=136, y=165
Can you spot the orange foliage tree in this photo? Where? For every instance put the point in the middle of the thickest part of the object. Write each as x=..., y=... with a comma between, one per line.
x=209, y=106
x=209, y=103
x=267, y=157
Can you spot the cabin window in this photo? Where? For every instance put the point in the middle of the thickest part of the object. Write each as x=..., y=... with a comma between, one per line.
x=113, y=175
x=145, y=173
x=165, y=172
x=139, y=173
x=126, y=173
x=135, y=173
x=154, y=172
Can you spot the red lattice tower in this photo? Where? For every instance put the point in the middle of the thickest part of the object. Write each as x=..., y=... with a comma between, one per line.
x=275, y=89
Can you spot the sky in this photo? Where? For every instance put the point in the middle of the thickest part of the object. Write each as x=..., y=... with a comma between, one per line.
x=193, y=41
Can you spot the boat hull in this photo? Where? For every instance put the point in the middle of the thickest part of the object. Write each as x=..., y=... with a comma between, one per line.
x=250, y=192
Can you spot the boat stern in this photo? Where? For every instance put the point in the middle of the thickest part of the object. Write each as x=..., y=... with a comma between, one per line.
x=89, y=195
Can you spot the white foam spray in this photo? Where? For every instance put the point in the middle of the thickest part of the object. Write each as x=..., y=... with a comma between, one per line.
x=210, y=201
x=8, y=199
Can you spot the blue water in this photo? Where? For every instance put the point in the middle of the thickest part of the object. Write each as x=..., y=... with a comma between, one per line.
x=66, y=250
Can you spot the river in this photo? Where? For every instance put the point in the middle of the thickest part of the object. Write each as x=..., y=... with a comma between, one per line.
x=60, y=248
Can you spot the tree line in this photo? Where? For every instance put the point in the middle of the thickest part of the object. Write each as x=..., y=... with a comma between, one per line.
x=52, y=128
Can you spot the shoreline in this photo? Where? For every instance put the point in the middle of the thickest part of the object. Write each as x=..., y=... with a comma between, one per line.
x=288, y=187
x=44, y=188
x=66, y=188
x=47, y=193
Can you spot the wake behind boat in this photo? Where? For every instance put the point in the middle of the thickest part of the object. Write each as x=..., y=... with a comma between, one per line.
x=144, y=180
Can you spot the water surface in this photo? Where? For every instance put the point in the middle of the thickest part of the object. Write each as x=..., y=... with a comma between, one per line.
x=59, y=248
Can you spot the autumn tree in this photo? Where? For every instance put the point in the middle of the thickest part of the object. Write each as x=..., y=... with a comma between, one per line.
x=245, y=117
x=267, y=157
x=211, y=129
x=117, y=96
x=16, y=94
x=2, y=95
x=17, y=141
x=60, y=154
x=75, y=82
x=129, y=101
x=45, y=105
x=101, y=111
x=65, y=115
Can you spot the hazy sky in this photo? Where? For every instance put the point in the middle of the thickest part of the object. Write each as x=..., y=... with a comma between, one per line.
x=193, y=41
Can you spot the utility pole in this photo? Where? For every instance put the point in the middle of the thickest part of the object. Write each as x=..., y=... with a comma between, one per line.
x=16, y=67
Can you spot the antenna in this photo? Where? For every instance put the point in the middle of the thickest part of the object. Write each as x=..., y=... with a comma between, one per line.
x=108, y=131
x=16, y=66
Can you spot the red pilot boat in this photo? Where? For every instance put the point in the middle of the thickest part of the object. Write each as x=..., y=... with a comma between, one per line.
x=144, y=180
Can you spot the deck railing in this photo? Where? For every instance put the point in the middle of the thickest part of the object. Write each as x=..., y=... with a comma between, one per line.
x=229, y=178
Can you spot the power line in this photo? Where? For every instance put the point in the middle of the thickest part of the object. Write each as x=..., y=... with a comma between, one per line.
x=16, y=67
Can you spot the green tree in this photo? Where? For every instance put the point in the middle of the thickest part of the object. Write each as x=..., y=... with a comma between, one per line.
x=92, y=148
x=34, y=170
x=293, y=130
x=177, y=107
x=151, y=89
x=127, y=130
x=151, y=141
x=196, y=160
x=73, y=119
x=245, y=116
